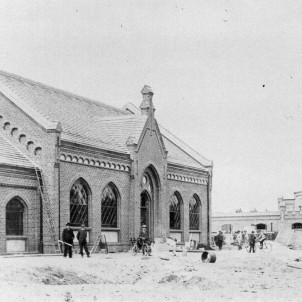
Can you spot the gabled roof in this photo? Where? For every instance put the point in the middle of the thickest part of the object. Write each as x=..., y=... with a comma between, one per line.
x=77, y=115
x=10, y=155
x=89, y=122
x=120, y=128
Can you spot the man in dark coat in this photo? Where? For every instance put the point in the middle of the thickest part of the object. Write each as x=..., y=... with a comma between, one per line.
x=143, y=236
x=220, y=239
x=252, y=241
x=67, y=237
x=82, y=238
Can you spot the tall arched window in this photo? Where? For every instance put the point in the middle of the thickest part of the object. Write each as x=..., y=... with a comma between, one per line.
x=175, y=212
x=14, y=217
x=110, y=198
x=79, y=203
x=194, y=213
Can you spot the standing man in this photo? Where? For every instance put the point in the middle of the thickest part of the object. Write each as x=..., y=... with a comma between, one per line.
x=261, y=237
x=244, y=237
x=220, y=240
x=252, y=241
x=239, y=240
x=67, y=237
x=82, y=237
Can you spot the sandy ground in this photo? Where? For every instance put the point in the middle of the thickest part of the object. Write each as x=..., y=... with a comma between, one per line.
x=235, y=276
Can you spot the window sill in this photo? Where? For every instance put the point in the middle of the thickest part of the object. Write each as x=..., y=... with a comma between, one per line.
x=111, y=229
x=175, y=231
x=194, y=231
x=16, y=237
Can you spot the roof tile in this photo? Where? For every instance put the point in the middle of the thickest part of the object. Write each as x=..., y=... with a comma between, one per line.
x=10, y=155
x=89, y=122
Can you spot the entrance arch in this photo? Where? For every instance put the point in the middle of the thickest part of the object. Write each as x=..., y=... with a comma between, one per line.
x=149, y=201
x=297, y=225
x=261, y=226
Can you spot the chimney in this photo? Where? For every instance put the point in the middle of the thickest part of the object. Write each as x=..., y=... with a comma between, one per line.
x=147, y=102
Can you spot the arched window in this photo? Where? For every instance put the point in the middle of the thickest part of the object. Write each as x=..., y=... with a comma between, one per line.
x=194, y=213
x=297, y=225
x=261, y=226
x=14, y=217
x=175, y=212
x=110, y=198
x=79, y=203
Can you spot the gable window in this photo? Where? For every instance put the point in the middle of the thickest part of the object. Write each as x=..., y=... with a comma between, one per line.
x=14, y=217
x=175, y=212
x=194, y=213
x=110, y=198
x=79, y=203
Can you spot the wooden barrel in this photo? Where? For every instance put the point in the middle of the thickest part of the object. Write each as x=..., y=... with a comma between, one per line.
x=208, y=257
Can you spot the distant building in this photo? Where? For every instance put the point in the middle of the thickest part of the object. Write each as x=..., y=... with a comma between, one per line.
x=232, y=222
x=288, y=216
x=111, y=169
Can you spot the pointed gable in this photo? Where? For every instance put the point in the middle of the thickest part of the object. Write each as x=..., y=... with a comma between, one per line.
x=10, y=155
x=178, y=151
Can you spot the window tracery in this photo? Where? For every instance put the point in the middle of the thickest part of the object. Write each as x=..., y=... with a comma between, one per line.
x=109, y=207
x=79, y=203
x=194, y=213
x=175, y=213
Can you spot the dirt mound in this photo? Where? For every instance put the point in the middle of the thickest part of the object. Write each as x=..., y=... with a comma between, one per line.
x=52, y=276
x=170, y=278
x=189, y=281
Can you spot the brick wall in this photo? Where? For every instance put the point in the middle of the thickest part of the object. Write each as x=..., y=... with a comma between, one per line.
x=20, y=183
x=27, y=136
x=96, y=178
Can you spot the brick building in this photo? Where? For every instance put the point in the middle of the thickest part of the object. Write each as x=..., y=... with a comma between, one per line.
x=112, y=169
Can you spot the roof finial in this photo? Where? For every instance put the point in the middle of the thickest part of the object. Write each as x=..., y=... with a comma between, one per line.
x=147, y=102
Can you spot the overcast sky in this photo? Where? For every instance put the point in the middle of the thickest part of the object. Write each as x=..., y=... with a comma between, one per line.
x=227, y=77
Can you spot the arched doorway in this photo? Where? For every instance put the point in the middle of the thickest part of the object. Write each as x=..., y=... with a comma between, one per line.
x=146, y=213
x=150, y=214
x=297, y=225
x=261, y=226
x=228, y=228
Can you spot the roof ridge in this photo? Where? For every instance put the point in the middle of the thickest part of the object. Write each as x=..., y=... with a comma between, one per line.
x=28, y=109
x=185, y=145
x=67, y=93
x=117, y=117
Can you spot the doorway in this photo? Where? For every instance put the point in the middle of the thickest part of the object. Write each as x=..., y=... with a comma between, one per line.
x=297, y=225
x=146, y=214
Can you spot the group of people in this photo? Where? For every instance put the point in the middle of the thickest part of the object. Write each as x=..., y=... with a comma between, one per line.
x=68, y=237
x=258, y=237
x=242, y=238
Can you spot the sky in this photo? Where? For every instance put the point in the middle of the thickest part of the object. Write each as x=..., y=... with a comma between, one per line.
x=226, y=77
